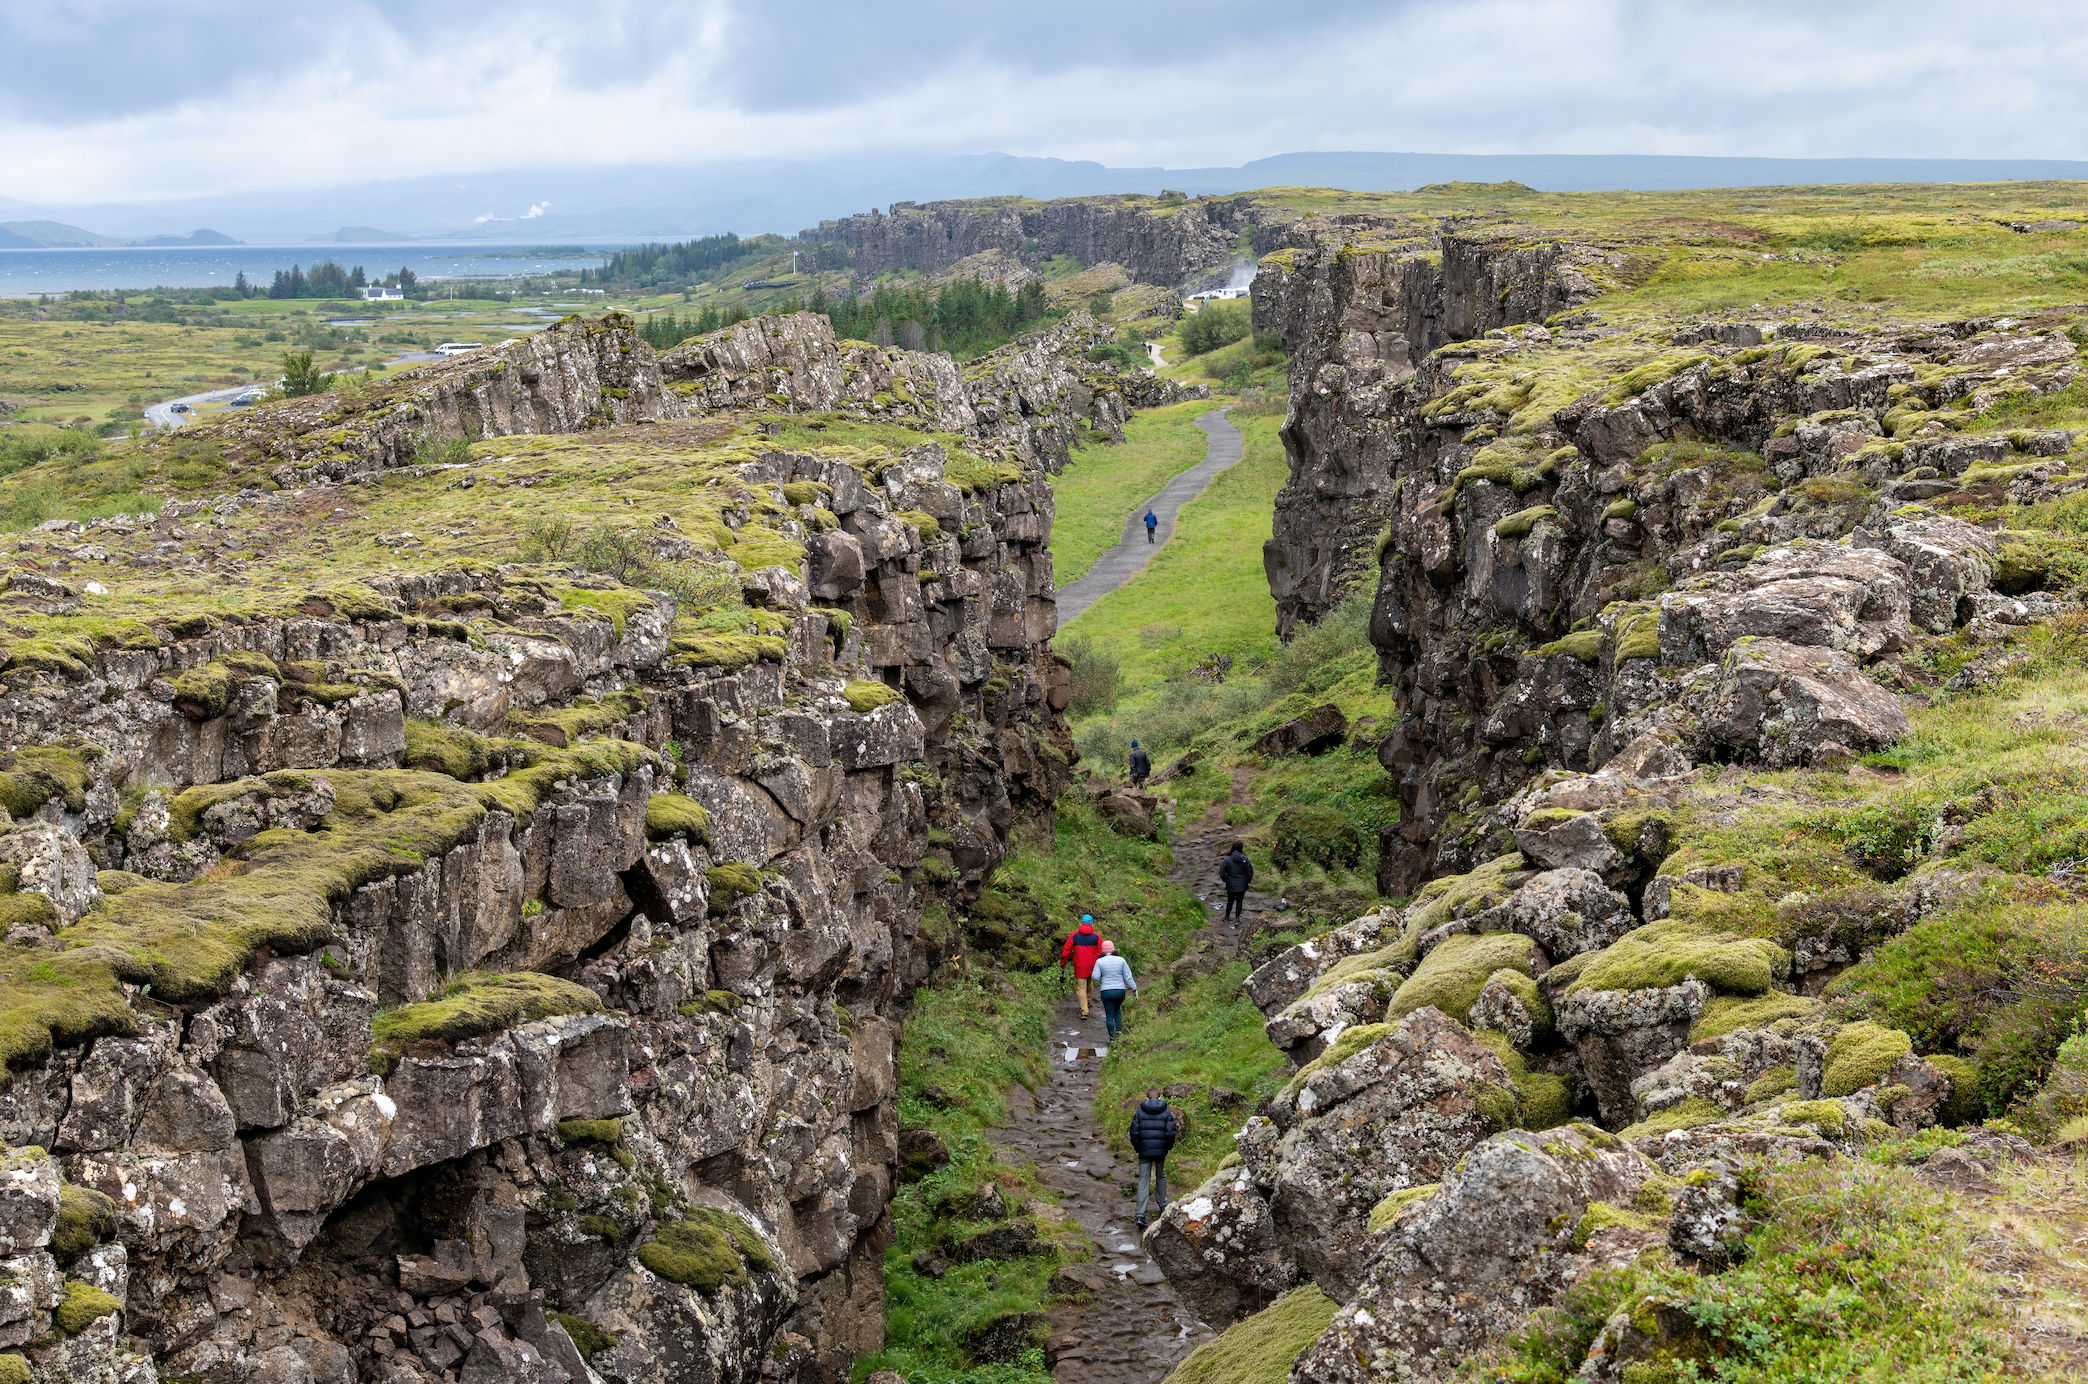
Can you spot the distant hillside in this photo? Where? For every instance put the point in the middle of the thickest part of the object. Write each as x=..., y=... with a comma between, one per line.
x=365, y=235
x=56, y=235
x=203, y=235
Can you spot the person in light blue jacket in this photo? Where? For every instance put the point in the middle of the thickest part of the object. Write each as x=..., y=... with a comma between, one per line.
x=1113, y=979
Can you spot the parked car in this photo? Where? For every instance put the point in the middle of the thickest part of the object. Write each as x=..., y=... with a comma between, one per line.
x=179, y=408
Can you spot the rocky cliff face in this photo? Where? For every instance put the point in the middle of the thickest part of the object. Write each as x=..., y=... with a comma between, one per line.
x=1583, y=533
x=455, y=974
x=1356, y=322
x=1175, y=244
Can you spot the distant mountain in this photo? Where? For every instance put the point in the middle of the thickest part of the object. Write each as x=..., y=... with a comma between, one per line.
x=56, y=235
x=202, y=235
x=14, y=240
x=659, y=202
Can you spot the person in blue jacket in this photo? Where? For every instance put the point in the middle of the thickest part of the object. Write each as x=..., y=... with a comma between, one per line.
x=1153, y=1132
x=1113, y=979
x=1152, y=523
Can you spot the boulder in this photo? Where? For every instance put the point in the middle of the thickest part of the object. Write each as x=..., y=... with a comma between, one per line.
x=1647, y=757
x=1387, y=1108
x=1810, y=594
x=1319, y=729
x=1285, y=977
x=1130, y=812
x=1220, y=1249
x=1707, y=1226
x=1623, y=1034
x=1787, y=705
x=1947, y=562
x=1571, y=840
x=1485, y=1237
x=29, y=1185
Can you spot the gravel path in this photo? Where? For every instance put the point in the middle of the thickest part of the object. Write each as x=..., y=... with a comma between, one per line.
x=1132, y=552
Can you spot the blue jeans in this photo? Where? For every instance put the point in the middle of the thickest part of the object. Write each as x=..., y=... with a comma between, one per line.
x=1113, y=1011
x=1152, y=1172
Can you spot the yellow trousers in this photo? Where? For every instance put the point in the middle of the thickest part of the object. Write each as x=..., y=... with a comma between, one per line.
x=1081, y=986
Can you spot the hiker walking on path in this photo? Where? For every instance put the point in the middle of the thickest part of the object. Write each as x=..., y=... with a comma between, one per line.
x=1083, y=948
x=1153, y=1133
x=1152, y=522
x=1141, y=765
x=1113, y=978
x=1235, y=872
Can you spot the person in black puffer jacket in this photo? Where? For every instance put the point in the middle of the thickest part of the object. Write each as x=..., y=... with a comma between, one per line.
x=1235, y=872
x=1153, y=1133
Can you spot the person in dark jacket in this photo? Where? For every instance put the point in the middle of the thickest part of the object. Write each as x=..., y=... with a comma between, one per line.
x=1153, y=1133
x=1083, y=948
x=1152, y=522
x=1235, y=872
x=1141, y=764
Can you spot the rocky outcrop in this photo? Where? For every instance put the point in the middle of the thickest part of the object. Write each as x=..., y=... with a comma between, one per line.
x=1174, y=244
x=552, y=966
x=1021, y=405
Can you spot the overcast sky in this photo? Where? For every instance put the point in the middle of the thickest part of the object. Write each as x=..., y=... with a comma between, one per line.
x=157, y=100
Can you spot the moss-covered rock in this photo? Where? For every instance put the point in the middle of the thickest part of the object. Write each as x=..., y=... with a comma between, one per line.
x=475, y=1004
x=82, y=1306
x=1731, y=1013
x=729, y=883
x=676, y=815
x=1459, y=896
x=863, y=696
x=86, y=1218
x=1260, y=1349
x=1769, y=1085
x=1668, y=952
x=1387, y=1210
x=706, y=1250
x=590, y=1340
x=1860, y=1055
x=1966, y=1102
x=1544, y=1101
x=1688, y=1115
x=1451, y=976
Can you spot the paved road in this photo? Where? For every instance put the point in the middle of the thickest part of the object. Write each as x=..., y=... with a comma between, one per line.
x=1153, y=350
x=162, y=415
x=1132, y=552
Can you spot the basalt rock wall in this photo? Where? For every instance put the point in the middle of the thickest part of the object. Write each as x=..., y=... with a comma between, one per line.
x=707, y=882
x=1175, y=244
x=1355, y=325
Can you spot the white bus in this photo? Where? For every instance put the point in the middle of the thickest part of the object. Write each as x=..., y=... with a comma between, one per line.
x=457, y=348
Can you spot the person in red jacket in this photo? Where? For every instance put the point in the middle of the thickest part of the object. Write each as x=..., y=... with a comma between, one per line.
x=1083, y=948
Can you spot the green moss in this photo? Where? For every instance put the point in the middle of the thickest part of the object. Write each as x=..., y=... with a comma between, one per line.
x=564, y=726
x=1585, y=646
x=1860, y=1055
x=616, y=605
x=205, y=693
x=477, y=1003
x=82, y=1306
x=1525, y=990
x=27, y=910
x=1352, y=1041
x=1459, y=896
x=1261, y=1349
x=590, y=1131
x=1626, y=508
x=1730, y=1013
x=1388, y=1209
x=839, y=622
x=1520, y=523
x=590, y=1340
x=1638, y=636
x=1668, y=952
x=15, y=1370
x=729, y=883
x=347, y=601
x=86, y=1218
x=1688, y=1115
x=1638, y=381
x=807, y=492
x=868, y=696
x=1600, y=1215
x=1499, y=1106
x=920, y=519
x=1824, y=1115
x=1546, y=1101
x=441, y=748
x=31, y=777
x=602, y=1228
x=1964, y=1104
x=729, y=651
x=1451, y=976
x=1771, y=1084
x=671, y=815
x=706, y=1250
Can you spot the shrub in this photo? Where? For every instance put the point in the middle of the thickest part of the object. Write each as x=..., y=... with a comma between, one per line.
x=1216, y=324
x=1319, y=835
x=1098, y=673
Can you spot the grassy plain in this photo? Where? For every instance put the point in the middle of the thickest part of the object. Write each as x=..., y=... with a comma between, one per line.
x=1104, y=484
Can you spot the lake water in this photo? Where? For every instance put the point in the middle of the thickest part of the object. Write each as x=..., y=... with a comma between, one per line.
x=142, y=267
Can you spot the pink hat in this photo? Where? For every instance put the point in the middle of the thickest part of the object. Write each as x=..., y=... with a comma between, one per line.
x=1108, y=946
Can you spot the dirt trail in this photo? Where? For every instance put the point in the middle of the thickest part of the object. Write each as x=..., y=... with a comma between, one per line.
x=1135, y=1330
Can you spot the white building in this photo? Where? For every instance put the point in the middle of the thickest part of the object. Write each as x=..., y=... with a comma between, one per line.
x=378, y=293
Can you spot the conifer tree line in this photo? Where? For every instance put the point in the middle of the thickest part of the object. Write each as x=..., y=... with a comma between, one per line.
x=965, y=318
